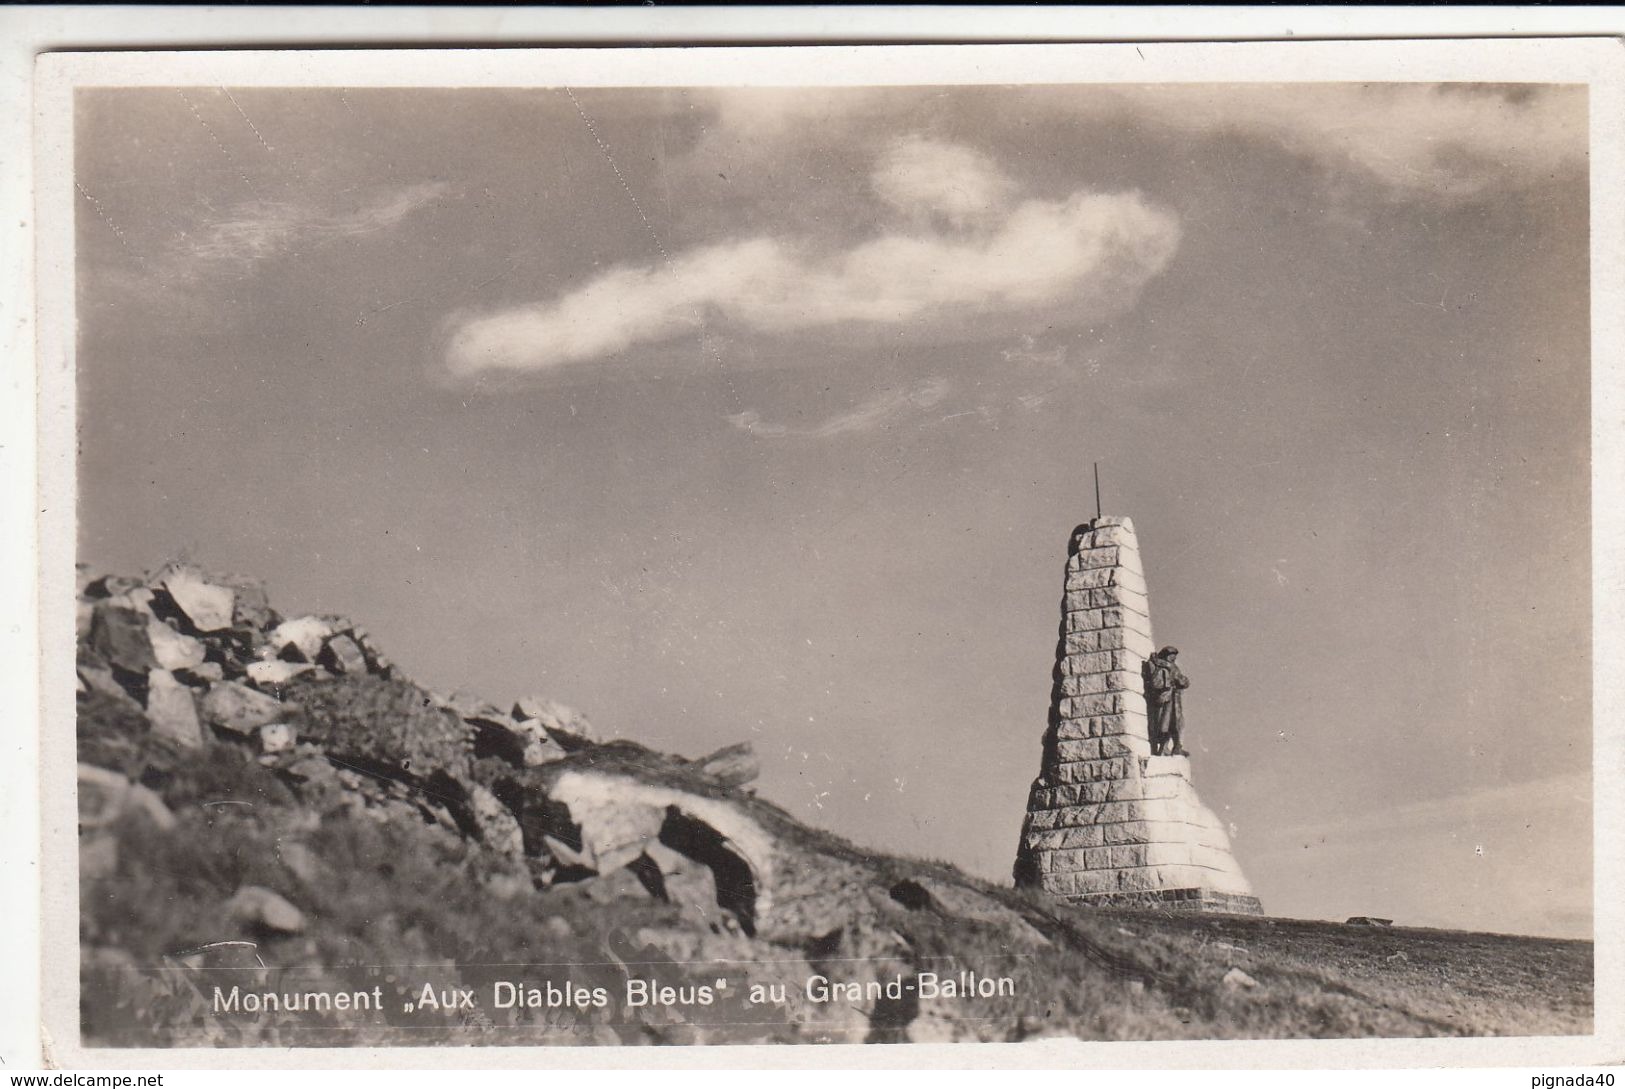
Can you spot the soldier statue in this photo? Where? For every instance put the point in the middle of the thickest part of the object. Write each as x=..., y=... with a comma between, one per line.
x=1165, y=684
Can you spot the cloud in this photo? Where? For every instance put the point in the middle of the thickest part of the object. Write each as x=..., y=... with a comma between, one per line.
x=1414, y=141
x=927, y=177
x=1091, y=252
x=867, y=416
x=1449, y=141
x=258, y=230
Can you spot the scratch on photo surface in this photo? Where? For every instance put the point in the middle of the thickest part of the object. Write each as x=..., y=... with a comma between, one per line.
x=246, y=120
x=224, y=153
x=101, y=212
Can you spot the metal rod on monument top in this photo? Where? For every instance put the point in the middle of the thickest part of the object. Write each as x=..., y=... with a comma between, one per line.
x=1097, y=491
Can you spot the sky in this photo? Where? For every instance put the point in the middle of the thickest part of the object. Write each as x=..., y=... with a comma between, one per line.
x=766, y=415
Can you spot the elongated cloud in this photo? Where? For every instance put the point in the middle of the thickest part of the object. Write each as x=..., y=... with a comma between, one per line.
x=1441, y=141
x=1091, y=251
x=263, y=229
x=1416, y=141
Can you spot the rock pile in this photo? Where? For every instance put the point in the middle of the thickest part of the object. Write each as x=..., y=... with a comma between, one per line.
x=187, y=678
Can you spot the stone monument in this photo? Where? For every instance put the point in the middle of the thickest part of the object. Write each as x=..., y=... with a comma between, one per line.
x=1108, y=822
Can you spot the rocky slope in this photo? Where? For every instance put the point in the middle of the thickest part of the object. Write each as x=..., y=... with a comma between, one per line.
x=268, y=806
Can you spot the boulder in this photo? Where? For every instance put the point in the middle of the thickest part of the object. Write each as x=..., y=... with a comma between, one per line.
x=565, y=725
x=522, y=744
x=300, y=639
x=276, y=673
x=201, y=675
x=118, y=635
x=208, y=607
x=497, y=828
x=139, y=598
x=467, y=704
x=105, y=795
x=259, y=907
x=342, y=654
x=277, y=737
x=603, y=820
x=171, y=649
x=98, y=677
x=382, y=726
x=171, y=710
x=734, y=765
x=300, y=861
x=241, y=709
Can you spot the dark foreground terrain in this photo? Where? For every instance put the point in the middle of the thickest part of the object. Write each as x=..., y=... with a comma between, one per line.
x=285, y=842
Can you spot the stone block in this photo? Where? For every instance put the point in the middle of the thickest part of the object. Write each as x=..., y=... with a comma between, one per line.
x=240, y=709
x=1048, y=797
x=172, y=650
x=1097, y=619
x=1052, y=862
x=208, y=607
x=1100, y=578
x=564, y=725
x=1081, y=882
x=275, y=673
x=1066, y=816
x=1106, y=597
x=1067, y=752
x=119, y=636
x=171, y=710
x=300, y=639
x=1090, y=684
x=1107, y=557
x=1086, y=620
x=201, y=675
x=1132, y=723
x=1063, y=838
x=343, y=654
x=1123, y=790
x=1137, y=643
x=1128, y=831
x=1104, y=661
x=1102, y=703
x=1043, y=820
x=1102, y=556
x=1103, y=533
x=1089, y=578
x=1122, y=745
x=1093, y=771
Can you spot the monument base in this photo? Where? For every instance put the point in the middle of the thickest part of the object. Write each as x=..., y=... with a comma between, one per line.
x=1203, y=901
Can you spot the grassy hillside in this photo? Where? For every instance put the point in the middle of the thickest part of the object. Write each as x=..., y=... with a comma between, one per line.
x=270, y=807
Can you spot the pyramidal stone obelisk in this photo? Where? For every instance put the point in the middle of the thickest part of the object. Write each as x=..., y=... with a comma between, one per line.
x=1107, y=822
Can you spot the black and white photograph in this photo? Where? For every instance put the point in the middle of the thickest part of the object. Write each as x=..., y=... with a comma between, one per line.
x=848, y=546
